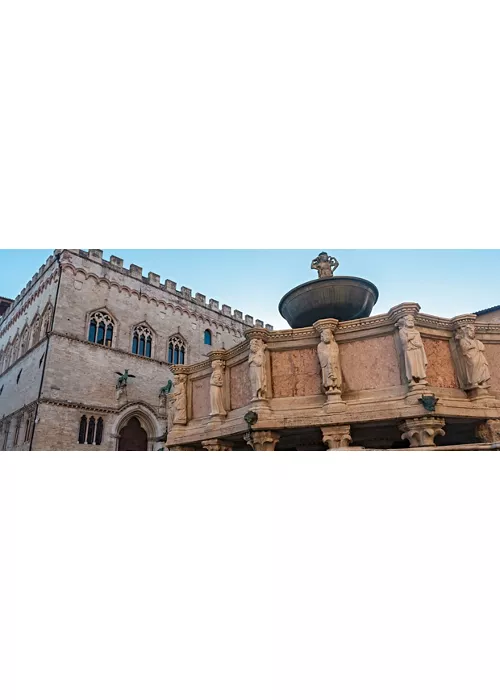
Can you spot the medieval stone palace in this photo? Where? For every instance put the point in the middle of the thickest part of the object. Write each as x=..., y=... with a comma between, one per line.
x=87, y=348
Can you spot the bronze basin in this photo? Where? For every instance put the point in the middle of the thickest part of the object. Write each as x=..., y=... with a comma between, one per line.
x=343, y=298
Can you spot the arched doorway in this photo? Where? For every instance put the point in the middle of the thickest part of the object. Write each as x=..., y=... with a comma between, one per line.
x=133, y=437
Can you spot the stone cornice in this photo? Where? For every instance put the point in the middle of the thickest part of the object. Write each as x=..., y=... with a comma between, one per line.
x=101, y=409
x=24, y=409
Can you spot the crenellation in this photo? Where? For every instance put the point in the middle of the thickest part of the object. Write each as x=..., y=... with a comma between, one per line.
x=259, y=323
x=237, y=315
x=95, y=253
x=249, y=320
x=116, y=261
x=200, y=298
x=226, y=310
x=213, y=304
x=269, y=327
x=154, y=279
x=186, y=292
x=136, y=271
x=171, y=286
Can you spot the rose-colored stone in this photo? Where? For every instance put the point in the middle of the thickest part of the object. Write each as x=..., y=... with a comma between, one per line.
x=440, y=368
x=369, y=364
x=241, y=392
x=296, y=373
x=492, y=353
x=201, y=397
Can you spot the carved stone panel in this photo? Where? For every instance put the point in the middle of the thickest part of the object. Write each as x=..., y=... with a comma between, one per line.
x=440, y=368
x=296, y=373
x=241, y=393
x=201, y=397
x=369, y=364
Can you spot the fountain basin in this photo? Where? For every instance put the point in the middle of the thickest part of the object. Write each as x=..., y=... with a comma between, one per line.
x=343, y=298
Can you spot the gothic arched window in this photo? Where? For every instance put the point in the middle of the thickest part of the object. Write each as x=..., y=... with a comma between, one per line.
x=101, y=328
x=90, y=431
x=46, y=319
x=208, y=337
x=83, y=430
x=142, y=341
x=98, y=432
x=176, y=351
x=24, y=341
x=35, y=331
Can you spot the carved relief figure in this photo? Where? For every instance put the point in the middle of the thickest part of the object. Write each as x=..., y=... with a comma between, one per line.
x=257, y=368
x=413, y=350
x=180, y=400
x=477, y=372
x=217, y=389
x=325, y=265
x=329, y=359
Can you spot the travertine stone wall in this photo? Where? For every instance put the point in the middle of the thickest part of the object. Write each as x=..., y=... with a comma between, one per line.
x=86, y=373
x=371, y=363
x=15, y=394
x=59, y=426
x=489, y=317
x=440, y=368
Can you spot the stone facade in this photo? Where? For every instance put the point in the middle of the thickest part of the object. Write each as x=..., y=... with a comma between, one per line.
x=52, y=375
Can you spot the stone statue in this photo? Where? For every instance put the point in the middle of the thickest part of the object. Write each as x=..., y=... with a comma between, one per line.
x=123, y=379
x=217, y=389
x=413, y=350
x=180, y=400
x=325, y=265
x=477, y=372
x=257, y=368
x=329, y=359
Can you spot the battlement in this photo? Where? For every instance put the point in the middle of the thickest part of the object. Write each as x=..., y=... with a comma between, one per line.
x=153, y=278
x=11, y=308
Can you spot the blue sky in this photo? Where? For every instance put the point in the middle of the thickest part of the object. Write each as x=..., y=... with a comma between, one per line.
x=443, y=282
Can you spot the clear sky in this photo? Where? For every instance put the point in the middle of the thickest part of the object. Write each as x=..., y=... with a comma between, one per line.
x=443, y=282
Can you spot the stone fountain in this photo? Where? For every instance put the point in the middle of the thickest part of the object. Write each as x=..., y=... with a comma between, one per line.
x=329, y=296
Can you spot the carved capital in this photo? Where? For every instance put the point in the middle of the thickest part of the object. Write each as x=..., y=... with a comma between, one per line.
x=489, y=431
x=326, y=324
x=420, y=432
x=336, y=437
x=216, y=445
x=463, y=320
x=217, y=355
x=262, y=440
x=407, y=308
x=258, y=333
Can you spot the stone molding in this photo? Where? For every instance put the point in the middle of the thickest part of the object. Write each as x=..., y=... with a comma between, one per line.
x=421, y=432
x=336, y=437
x=100, y=409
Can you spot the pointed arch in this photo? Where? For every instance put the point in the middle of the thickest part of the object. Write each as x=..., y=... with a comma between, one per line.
x=101, y=327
